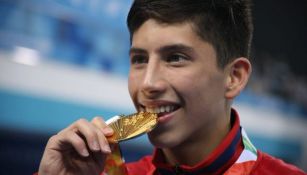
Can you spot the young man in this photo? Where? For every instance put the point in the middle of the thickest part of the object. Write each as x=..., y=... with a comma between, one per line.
x=189, y=60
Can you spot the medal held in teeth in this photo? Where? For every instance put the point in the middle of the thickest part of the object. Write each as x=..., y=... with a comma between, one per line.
x=126, y=127
x=129, y=126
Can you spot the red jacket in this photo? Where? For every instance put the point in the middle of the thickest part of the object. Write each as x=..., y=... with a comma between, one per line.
x=234, y=156
x=265, y=165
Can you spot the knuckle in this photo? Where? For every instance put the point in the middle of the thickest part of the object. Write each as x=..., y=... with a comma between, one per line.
x=81, y=120
x=91, y=135
x=97, y=119
x=98, y=122
x=60, y=133
x=99, y=132
x=77, y=141
x=53, y=138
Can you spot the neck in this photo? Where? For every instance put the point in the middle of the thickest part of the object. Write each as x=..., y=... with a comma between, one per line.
x=195, y=149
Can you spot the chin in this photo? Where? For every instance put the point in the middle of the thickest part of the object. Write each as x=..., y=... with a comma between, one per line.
x=164, y=140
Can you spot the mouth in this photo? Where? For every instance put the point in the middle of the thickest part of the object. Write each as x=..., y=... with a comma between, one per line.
x=161, y=110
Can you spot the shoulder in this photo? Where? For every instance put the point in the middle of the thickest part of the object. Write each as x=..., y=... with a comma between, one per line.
x=142, y=167
x=267, y=164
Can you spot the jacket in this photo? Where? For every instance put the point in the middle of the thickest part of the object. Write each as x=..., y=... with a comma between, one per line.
x=236, y=155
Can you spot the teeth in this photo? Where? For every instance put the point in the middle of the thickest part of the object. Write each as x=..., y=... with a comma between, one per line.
x=162, y=109
x=158, y=109
x=167, y=109
x=142, y=109
x=152, y=110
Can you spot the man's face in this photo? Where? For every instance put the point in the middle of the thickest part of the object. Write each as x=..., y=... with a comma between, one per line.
x=174, y=73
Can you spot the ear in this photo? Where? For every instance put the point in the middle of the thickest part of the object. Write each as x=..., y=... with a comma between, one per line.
x=237, y=72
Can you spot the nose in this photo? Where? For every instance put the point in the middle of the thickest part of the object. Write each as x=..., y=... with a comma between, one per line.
x=154, y=83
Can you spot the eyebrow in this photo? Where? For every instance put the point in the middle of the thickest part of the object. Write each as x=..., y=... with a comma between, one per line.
x=175, y=47
x=137, y=51
x=164, y=49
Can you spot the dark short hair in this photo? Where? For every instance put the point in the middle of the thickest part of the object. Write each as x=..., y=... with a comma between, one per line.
x=226, y=24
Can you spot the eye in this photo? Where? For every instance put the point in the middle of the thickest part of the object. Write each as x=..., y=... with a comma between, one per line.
x=176, y=58
x=138, y=59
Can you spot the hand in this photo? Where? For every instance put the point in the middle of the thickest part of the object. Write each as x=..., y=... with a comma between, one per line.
x=81, y=148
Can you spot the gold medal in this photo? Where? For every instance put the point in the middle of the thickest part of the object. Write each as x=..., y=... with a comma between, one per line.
x=129, y=126
x=126, y=127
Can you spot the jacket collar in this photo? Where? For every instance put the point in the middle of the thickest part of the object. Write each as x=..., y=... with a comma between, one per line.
x=221, y=158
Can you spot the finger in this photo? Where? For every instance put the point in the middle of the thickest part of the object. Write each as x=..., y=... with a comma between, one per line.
x=75, y=140
x=88, y=130
x=100, y=123
x=104, y=145
x=108, y=131
x=102, y=130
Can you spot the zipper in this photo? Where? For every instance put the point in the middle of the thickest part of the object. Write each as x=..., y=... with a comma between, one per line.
x=178, y=170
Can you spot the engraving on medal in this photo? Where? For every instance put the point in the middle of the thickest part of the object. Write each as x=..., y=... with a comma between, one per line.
x=129, y=126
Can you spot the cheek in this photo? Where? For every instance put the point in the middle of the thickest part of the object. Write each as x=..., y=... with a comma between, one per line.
x=194, y=92
x=191, y=85
x=135, y=83
x=189, y=90
x=132, y=84
x=201, y=90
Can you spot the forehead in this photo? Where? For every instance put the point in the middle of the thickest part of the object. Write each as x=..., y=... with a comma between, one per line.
x=158, y=38
x=154, y=32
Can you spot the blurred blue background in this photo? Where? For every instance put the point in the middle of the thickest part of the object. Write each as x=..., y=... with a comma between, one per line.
x=61, y=60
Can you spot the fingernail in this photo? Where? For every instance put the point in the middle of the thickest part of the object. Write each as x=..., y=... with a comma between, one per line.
x=95, y=145
x=85, y=153
x=107, y=149
x=108, y=130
